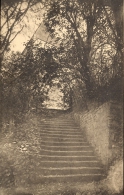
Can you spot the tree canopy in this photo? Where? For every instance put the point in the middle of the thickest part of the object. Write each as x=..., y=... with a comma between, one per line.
x=88, y=50
x=87, y=34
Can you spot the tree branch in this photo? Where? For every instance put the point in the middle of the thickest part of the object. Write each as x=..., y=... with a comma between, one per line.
x=110, y=24
x=16, y=35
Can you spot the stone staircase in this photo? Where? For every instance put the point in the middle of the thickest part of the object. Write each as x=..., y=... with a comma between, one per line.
x=65, y=156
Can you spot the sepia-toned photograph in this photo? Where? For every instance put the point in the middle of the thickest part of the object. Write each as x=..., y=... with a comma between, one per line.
x=61, y=97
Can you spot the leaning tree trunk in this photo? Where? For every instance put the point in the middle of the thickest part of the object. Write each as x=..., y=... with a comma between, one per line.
x=83, y=52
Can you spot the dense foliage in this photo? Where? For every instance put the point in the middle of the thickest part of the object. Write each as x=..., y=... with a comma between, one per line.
x=26, y=79
x=87, y=53
x=90, y=43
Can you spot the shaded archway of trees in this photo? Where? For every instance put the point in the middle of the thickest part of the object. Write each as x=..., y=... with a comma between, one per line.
x=88, y=54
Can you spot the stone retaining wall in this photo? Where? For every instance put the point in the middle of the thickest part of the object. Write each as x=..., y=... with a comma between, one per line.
x=98, y=124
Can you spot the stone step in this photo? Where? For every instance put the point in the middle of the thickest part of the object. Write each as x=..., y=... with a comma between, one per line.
x=64, y=153
x=66, y=148
x=65, y=143
x=47, y=131
x=60, y=124
x=59, y=135
x=68, y=170
x=59, y=127
x=64, y=178
x=62, y=139
x=61, y=130
x=68, y=163
x=68, y=158
x=58, y=120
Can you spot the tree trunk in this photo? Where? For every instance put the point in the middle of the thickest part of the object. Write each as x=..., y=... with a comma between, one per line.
x=83, y=51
